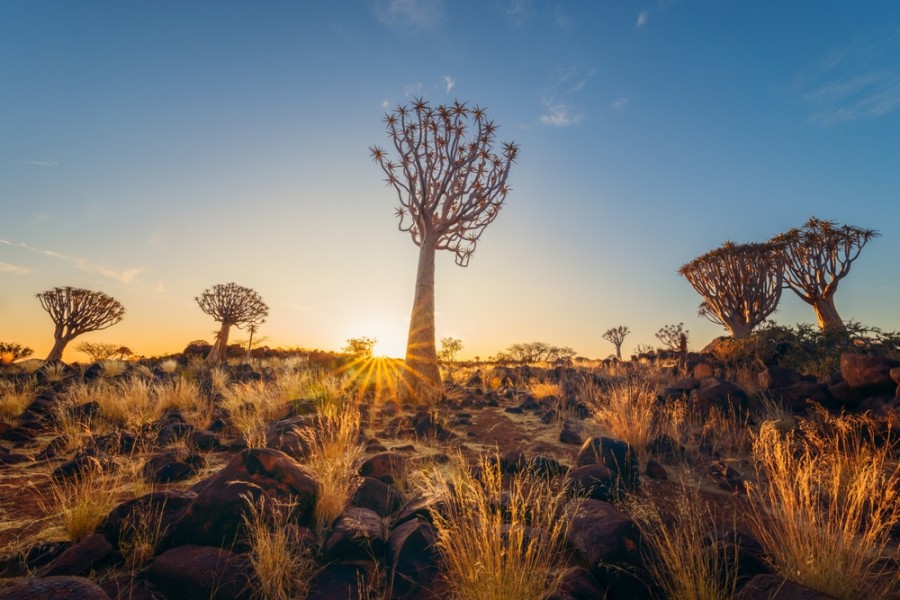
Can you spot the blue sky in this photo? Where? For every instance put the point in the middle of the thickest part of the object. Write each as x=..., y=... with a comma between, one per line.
x=153, y=149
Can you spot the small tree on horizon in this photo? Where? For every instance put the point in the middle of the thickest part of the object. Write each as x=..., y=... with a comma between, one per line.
x=360, y=347
x=98, y=351
x=75, y=311
x=450, y=184
x=673, y=337
x=616, y=336
x=230, y=304
x=11, y=352
x=450, y=346
x=817, y=256
x=740, y=284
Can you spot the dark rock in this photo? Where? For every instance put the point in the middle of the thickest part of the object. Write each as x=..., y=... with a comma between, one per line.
x=13, y=458
x=54, y=588
x=191, y=572
x=513, y=410
x=726, y=477
x=80, y=558
x=173, y=432
x=203, y=439
x=656, y=471
x=172, y=466
x=376, y=495
x=414, y=561
x=599, y=533
x=80, y=466
x=579, y=584
x=19, y=435
x=44, y=553
x=775, y=587
x=869, y=374
x=124, y=586
x=593, y=481
x=158, y=510
x=386, y=466
x=719, y=393
x=799, y=396
x=567, y=436
x=616, y=455
x=215, y=515
x=680, y=389
x=512, y=462
x=772, y=378
x=339, y=580
x=358, y=534
x=120, y=442
x=85, y=412
x=546, y=466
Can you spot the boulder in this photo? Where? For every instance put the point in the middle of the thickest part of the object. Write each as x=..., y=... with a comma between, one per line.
x=386, y=466
x=160, y=509
x=593, y=481
x=376, y=495
x=358, y=534
x=215, y=515
x=719, y=393
x=615, y=455
x=414, y=562
x=54, y=588
x=772, y=378
x=869, y=374
x=172, y=466
x=577, y=583
x=191, y=572
x=339, y=580
x=799, y=396
x=80, y=558
x=600, y=533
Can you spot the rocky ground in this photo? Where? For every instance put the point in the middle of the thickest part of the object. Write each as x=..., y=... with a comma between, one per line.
x=197, y=480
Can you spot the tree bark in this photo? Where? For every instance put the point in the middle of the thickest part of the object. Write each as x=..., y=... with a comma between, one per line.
x=56, y=352
x=422, y=376
x=218, y=352
x=739, y=330
x=827, y=315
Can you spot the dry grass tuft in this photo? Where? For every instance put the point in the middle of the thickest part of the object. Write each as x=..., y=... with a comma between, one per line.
x=78, y=505
x=683, y=556
x=113, y=367
x=493, y=550
x=825, y=505
x=282, y=565
x=14, y=399
x=334, y=453
x=627, y=408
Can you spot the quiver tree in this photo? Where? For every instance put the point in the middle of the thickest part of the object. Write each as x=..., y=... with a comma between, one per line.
x=616, y=336
x=451, y=184
x=75, y=311
x=740, y=283
x=231, y=304
x=816, y=257
x=673, y=337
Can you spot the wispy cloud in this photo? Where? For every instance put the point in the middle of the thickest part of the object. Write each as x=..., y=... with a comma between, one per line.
x=157, y=239
x=38, y=163
x=517, y=11
x=449, y=83
x=126, y=276
x=558, y=114
x=14, y=269
x=413, y=89
x=854, y=82
x=641, y=19
x=619, y=104
x=407, y=15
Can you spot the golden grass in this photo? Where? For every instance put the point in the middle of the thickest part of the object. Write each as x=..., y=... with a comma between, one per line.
x=140, y=538
x=825, y=505
x=627, y=408
x=112, y=367
x=334, y=453
x=494, y=552
x=252, y=406
x=168, y=366
x=682, y=553
x=283, y=566
x=54, y=372
x=78, y=505
x=14, y=399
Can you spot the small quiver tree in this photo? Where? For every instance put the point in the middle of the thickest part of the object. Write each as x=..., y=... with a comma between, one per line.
x=450, y=184
x=75, y=311
x=616, y=336
x=816, y=257
x=230, y=304
x=740, y=284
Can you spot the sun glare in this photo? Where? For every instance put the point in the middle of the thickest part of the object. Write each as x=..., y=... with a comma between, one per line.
x=392, y=346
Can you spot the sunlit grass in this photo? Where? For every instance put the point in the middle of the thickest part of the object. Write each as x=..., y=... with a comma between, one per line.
x=77, y=505
x=825, y=505
x=15, y=398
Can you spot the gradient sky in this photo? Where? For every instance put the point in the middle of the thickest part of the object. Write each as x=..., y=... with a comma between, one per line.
x=153, y=149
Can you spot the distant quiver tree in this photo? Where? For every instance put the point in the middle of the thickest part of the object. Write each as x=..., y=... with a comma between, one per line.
x=817, y=256
x=231, y=304
x=740, y=284
x=616, y=336
x=451, y=184
x=75, y=311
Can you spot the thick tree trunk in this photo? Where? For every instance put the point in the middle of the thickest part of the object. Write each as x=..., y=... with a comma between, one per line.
x=218, y=352
x=56, y=352
x=739, y=330
x=422, y=377
x=827, y=315
x=619, y=351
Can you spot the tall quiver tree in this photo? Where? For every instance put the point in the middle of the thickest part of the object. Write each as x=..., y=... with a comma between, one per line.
x=740, y=283
x=75, y=311
x=816, y=258
x=231, y=304
x=451, y=184
x=616, y=336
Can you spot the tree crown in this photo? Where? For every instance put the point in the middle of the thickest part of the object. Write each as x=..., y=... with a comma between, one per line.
x=77, y=310
x=233, y=304
x=450, y=182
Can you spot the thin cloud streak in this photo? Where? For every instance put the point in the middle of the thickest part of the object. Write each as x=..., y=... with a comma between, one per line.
x=449, y=83
x=559, y=115
x=126, y=276
x=14, y=269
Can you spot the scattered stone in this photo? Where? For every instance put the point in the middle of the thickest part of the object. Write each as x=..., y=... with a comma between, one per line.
x=358, y=534
x=191, y=572
x=599, y=533
x=80, y=558
x=593, y=481
x=386, y=466
x=615, y=455
x=172, y=466
x=578, y=583
x=414, y=561
x=54, y=588
x=376, y=495
x=772, y=378
x=654, y=470
x=567, y=436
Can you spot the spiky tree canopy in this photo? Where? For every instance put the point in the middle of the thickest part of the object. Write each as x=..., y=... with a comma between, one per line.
x=817, y=256
x=450, y=181
x=740, y=284
x=616, y=336
x=76, y=311
x=233, y=304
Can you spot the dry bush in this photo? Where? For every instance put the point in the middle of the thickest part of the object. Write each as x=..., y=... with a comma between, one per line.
x=252, y=406
x=335, y=449
x=14, y=399
x=78, y=505
x=282, y=565
x=493, y=550
x=112, y=367
x=141, y=536
x=627, y=409
x=168, y=366
x=682, y=553
x=825, y=505
x=726, y=432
